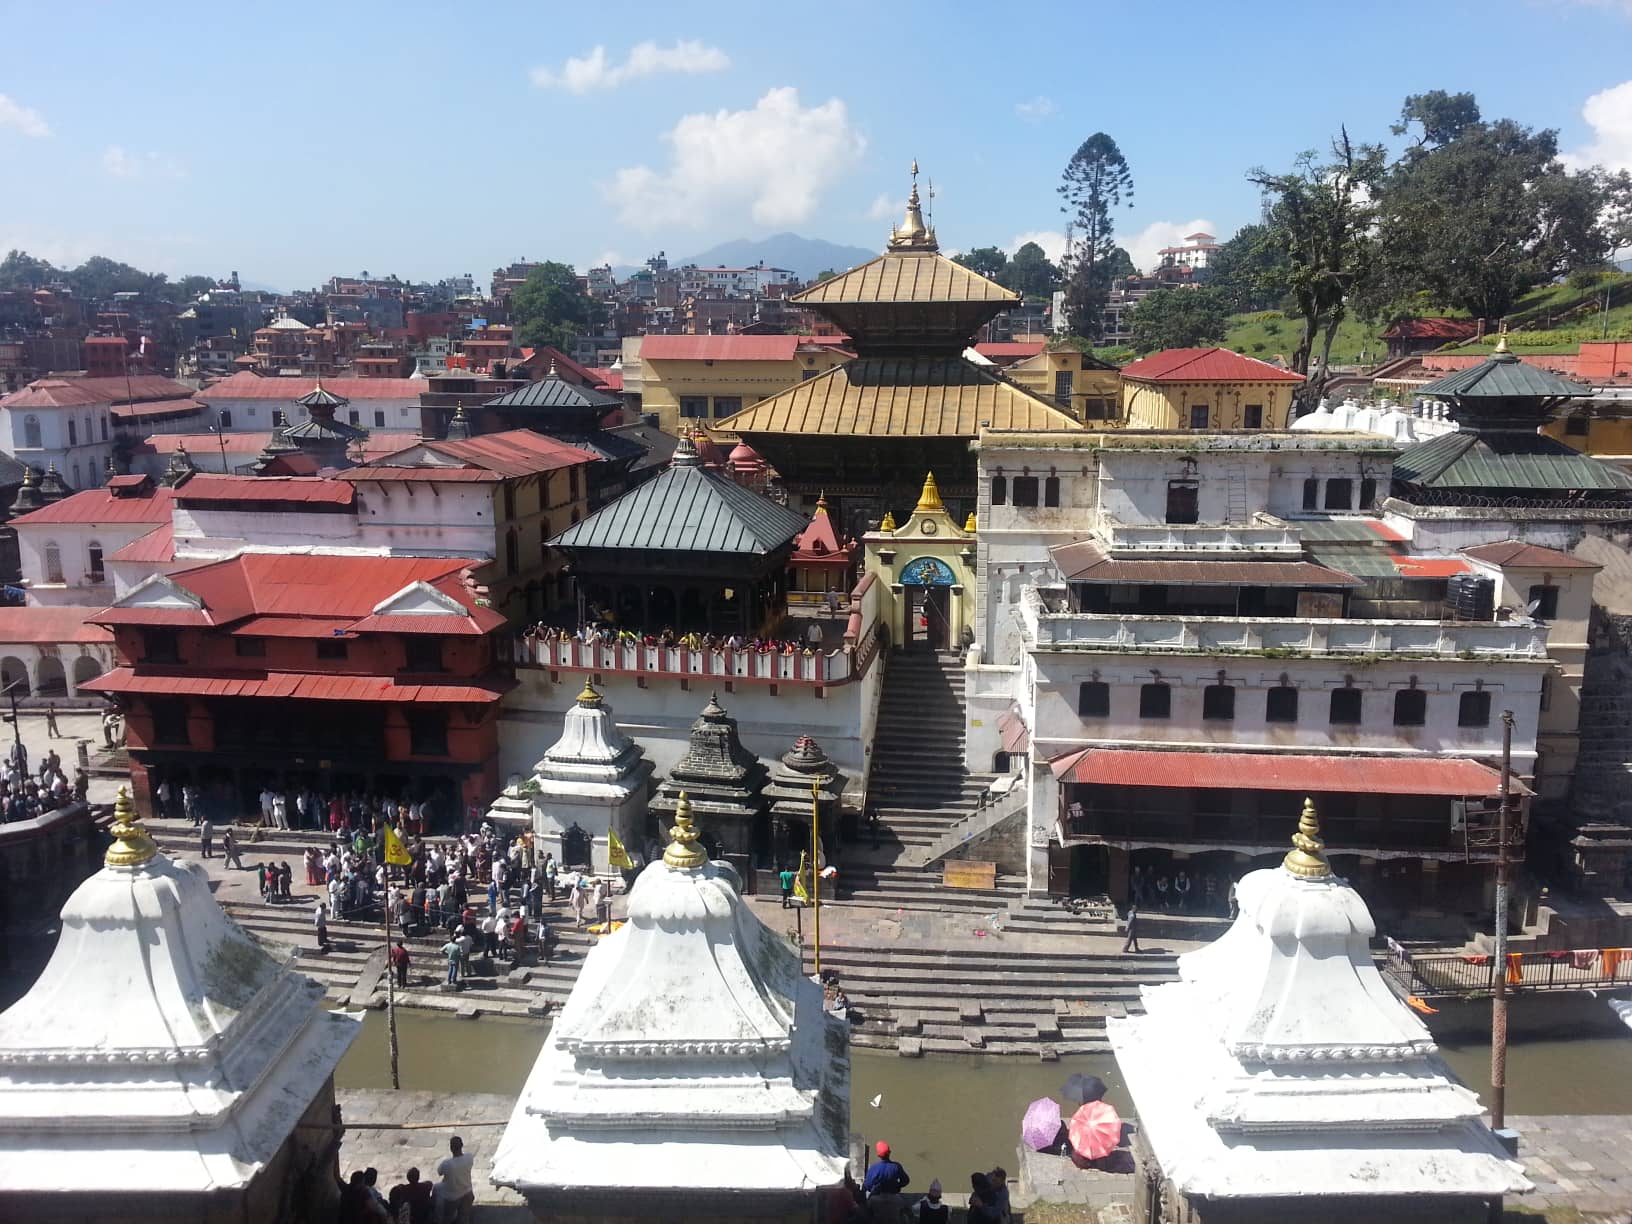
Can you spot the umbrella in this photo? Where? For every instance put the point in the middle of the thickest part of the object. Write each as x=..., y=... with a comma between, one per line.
x=1080, y=1089
x=1042, y=1124
x=1095, y=1130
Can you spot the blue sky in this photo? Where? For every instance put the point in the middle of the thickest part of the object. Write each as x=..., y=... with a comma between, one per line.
x=432, y=139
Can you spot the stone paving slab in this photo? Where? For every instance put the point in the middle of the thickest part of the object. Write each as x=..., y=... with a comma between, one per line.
x=376, y=1136
x=1580, y=1161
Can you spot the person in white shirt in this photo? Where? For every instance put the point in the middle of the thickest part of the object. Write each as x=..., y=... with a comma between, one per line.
x=457, y=1193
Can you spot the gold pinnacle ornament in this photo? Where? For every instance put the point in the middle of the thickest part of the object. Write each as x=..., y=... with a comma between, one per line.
x=131, y=845
x=1307, y=858
x=683, y=852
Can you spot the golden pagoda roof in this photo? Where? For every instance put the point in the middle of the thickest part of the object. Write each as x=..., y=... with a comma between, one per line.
x=903, y=397
x=909, y=276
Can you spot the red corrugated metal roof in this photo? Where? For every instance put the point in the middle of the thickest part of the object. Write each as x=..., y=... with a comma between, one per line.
x=292, y=684
x=719, y=348
x=209, y=487
x=51, y=623
x=1010, y=348
x=610, y=380
x=246, y=385
x=1205, y=365
x=1384, y=530
x=1428, y=567
x=154, y=408
x=1377, y=775
x=514, y=452
x=70, y=390
x=421, y=623
x=1086, y=561
x=101, y=506
x=424, y=475
x=1516, y=554
x=129, y=480
x=1015, y=735
x=294, y=627
x=157, y=545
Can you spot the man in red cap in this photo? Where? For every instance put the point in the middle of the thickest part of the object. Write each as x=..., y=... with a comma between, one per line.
x=885, y=1176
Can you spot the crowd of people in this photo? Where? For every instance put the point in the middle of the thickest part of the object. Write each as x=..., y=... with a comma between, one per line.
x=25, y=793
x=609, y=635
x=413, y=1200
x=307, y=808
x=882, y=1197
x=1205, y=892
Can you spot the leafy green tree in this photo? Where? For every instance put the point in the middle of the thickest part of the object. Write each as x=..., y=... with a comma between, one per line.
x=550, y=307
x=1250, y=269
x=1319, y=216
x=20, y=270
x=986, y=261
x=1030, y=273
x=1094, y=183
x=189, y=287
x=1180, y=318
x=1476, y=214
x=1119, y=264
x=823, y=275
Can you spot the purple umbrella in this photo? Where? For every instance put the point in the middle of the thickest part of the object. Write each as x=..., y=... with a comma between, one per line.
x=1042, y=1124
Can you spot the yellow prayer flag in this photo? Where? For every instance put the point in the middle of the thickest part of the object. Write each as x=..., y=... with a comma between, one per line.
x=396, y=853
x=616, y=855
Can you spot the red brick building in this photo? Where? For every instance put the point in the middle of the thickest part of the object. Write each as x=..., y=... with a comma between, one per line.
x=341, y=673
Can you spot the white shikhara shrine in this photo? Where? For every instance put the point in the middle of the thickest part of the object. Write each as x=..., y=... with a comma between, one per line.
x=1280, y=1064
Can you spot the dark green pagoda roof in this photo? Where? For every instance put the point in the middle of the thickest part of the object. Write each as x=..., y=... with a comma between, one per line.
x=556, y=393
x=687, y=509
x=1505, y=462
x=321, y=397
x=1504, y=377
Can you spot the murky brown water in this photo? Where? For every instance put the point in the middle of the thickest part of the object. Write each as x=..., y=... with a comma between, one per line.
x=946, y=1117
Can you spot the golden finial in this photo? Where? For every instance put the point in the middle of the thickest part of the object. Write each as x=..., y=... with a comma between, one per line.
x=131, y=845
x=1501, y=343
x=589, y=697
x=1307, y=858
x=683, y=852
x=930, y=498
x=912, y=233
x=969, y=524
x=889, y=521
x=821, y=503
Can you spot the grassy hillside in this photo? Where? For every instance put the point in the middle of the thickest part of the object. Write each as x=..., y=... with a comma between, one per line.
x=1268, y=335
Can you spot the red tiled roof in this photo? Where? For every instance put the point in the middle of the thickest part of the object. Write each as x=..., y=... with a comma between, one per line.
x=154, y=408
x=513, y=452
x=386, y=473
x=1428, y=567
x=1205, y=365
x=51, y=623
x=819, y=541
x=245, y=385
x=50, y=393
x=610, y=380
x=1010, y=348
x=72, y=391
x=719, y=348
x=1432, y=329
x=93, y=506
x=157, y=545
x=327, y=687
x=1516, y=554
x=1086, y=561
x=1378, y=775
x=209, y=487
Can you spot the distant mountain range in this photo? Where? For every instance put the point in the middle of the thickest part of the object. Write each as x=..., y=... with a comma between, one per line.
x=805, y=257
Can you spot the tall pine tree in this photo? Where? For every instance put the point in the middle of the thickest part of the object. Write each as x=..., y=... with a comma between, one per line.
x=1096, y=180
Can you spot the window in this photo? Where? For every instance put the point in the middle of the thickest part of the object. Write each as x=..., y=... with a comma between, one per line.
x=223, y=418
x=1575, y=426
x=423, y=654
x=427, y=732
x=805, y=374
x=1093, y=699
x=1051, y=491
x=1346, y=706
x=226, y=419
x=379, y=418
x=509, y=500
x=1096, y=408
x=1281, y=704
x=161, y=646
x=1155, y=701
x=53, y=562
x=1000, y=491
x=1218, y=702
x=331, y=648
x=1339, y=494
x=694, y=407
x=169, y=722
x=1410, y=707
x=1368, y=493
x=1025, y=490
x=1311, y=494
x=31, y=431
x=1252, y=416
x=1545, y=601
x=1473, y=709
x=572, y=487
x=726, y=405
x=1062, y=387
x=73, y=432
x=278, y=419
x=249, y=647
x=93, y=562
x=1198, y=416
x=355, y=417
x=1183, y=501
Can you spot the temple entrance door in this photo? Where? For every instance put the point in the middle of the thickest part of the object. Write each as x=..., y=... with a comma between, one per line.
x=1059, y=870
x=1090, y=870
x=929, y=619
x=575, y=848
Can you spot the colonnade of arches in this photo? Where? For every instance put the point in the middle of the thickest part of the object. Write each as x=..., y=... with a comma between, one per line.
x=44, y=675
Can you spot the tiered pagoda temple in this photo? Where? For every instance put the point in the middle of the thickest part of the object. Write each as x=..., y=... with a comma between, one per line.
x=1279, y=1079
x=688, y=550
x=804, y=776
x=322, y=435
x=866, y=430
x=822, y=568
x=724, y=782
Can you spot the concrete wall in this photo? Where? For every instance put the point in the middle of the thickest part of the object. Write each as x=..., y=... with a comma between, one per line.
x=73, y=542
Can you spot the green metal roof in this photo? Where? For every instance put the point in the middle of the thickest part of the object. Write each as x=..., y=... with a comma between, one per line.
x=1515, y=461
x=1330, y=531
x=1357, y=559
x=687, y=509
x=1504, y=376
x=555, y=393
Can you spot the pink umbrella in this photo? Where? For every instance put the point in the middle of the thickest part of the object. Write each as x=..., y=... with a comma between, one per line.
x=1095, y=1130
x=1042, y=1124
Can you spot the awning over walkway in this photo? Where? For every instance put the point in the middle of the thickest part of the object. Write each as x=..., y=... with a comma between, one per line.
x=291, y=684
x=1087, y=561
x=1377, y=775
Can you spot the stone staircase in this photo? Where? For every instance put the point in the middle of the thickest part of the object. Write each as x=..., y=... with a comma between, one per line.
x=917, y=784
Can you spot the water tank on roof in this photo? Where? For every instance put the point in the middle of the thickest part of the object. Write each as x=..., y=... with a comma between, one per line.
x=1471, y=597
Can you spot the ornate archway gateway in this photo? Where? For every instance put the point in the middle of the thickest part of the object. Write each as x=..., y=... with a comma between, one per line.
x=929, y=563
x=927, y=583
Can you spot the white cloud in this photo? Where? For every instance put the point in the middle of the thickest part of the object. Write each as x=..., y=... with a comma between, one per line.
x=1142, y=247
x=885, y=207
x=608, y=259
x=1052, y=242
x=24, y=119
x=583, y=74
x=122, y=163
x=1038, y=108
x=1609, y=114
x=775, y=160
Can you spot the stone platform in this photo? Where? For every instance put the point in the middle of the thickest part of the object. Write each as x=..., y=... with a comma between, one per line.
x=393, y=1131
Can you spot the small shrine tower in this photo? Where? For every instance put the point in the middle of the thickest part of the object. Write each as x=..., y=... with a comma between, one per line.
x=929, y=564
x=725, y=781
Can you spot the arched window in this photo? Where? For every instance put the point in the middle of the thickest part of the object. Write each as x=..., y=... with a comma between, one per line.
x=73, y=432
x=1051, y=491
x=94, y=561
x=31, y=432
x=53, y=562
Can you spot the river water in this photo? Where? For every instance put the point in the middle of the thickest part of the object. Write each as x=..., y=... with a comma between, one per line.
x=946, y=1117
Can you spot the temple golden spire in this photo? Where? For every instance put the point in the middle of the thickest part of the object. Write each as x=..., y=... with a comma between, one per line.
x=969, y=523
x=589, y=697
x=1307, y=858
x=930, y=499
x=683, y=852
x=821, y=503
x=131, y=845
x=888, y=523
x=912, y=234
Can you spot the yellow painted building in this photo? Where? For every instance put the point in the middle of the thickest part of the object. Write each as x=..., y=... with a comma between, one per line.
x=1086, y=387
x=699, y=379
x=1206, y=388
x=928, y=566
x=1602, y=431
